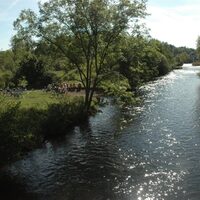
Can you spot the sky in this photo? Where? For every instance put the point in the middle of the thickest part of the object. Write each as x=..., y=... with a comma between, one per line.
x=9, y=11
x=172, y=21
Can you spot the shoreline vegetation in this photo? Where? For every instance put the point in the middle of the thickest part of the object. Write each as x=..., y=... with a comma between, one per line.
x=29, y=117
x=28, y=120
x=101, y=46
x=196, y=63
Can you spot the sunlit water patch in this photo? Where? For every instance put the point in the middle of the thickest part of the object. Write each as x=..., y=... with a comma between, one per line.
x=143, y=153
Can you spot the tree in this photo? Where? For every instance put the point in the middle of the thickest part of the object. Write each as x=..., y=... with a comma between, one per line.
x=182, y=58
x=198, y=47
x=142, y=59
x=32, y=71
x=85, y=31
x=7, y=61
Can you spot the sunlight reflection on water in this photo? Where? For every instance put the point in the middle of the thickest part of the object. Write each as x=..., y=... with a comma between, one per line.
x=144, y=153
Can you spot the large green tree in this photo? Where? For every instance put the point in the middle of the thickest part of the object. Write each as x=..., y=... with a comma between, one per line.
x=85, y=31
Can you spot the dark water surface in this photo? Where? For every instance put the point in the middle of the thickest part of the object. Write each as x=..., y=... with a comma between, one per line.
x=150, y=152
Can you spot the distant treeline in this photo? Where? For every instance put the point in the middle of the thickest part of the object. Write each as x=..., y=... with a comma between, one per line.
x=136, y=59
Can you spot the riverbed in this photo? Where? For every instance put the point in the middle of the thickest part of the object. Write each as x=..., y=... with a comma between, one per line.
x=147, y=152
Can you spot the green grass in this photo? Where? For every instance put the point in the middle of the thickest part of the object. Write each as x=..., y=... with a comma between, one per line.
x=33, y=99
x=27, y=120
x=38, y=99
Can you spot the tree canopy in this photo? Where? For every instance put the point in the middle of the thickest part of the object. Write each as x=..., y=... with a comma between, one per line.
x=85, y=31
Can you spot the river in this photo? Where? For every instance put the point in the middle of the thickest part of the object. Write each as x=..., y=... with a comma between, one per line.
x=144, y=153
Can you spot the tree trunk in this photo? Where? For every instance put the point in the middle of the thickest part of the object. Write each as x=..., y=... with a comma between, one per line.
x=89, y=93
x=87, y=97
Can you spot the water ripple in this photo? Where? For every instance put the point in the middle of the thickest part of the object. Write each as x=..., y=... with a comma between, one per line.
x=144, y=153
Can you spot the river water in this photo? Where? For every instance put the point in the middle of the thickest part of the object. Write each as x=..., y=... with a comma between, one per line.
x=144, y=153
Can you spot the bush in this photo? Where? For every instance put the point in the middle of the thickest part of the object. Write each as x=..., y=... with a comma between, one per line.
x=24, y=128
x=163, y=66
x=120, y=91
x=34, y=72
x=9, y=140
x=62, y=115
x=19, y=130
x=5, y=78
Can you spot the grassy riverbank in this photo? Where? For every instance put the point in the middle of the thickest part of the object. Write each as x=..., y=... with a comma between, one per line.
x=26, y=120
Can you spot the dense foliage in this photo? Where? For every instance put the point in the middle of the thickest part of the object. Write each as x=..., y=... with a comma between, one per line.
x=139, y=59
x=86, y=41
x=100, y=44
x=85, y=32
x=33, y=71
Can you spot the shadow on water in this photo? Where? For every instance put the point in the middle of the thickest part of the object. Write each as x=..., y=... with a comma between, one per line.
x=12, y=187
x=82, y=165
x=148, y=152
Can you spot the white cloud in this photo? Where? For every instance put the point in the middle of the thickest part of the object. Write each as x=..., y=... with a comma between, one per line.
x=176, y=25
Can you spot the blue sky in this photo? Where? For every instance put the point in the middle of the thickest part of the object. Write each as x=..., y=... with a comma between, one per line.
x=9, y=11
x=172, y=21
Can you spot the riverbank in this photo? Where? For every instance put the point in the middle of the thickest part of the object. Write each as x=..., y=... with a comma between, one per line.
x=28, y=119
x=154, y=155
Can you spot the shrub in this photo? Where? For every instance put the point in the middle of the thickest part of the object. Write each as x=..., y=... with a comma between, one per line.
x=119, y=91
x=9, y=140
x=60, y=116
x=5, y=78
x=163, y=66
x=34, y=72
x=23, y=128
